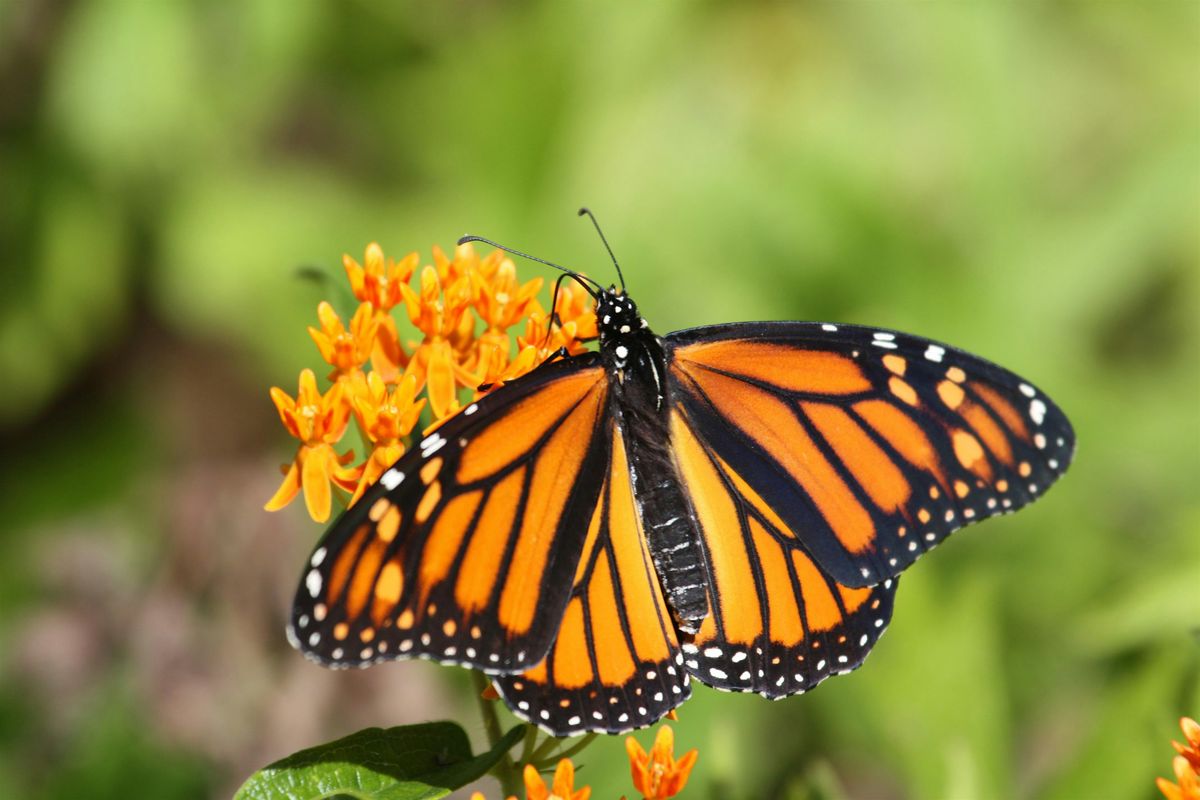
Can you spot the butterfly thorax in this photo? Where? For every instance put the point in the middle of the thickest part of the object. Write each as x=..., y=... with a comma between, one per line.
x=636, y=363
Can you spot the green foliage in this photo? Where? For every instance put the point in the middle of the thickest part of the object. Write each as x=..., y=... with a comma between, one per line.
x=413, y=762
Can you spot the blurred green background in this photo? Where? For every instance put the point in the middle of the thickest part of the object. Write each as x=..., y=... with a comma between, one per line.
x=1020, y=179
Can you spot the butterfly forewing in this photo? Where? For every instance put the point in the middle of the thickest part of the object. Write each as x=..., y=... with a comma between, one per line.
x=871, y=446
x=457, y=553
x=615, y=664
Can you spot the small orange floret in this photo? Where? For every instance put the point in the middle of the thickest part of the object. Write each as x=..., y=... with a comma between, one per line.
x=501, y=302
x=385, y=417
x=1186, y=765
x=657, y=775
x=575, y=307
x=378, y=279
x=318, y=421
x=563, y=787
x=345, y=350
x=438, y=314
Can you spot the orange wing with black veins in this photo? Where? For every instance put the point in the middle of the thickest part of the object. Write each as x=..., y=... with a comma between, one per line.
x=616, y=663
x=459, y=552
x=871, y=446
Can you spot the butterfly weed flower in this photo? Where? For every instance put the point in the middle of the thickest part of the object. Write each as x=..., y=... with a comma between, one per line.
x=345, y=349
x=386, y=415
x=438, y=312
x=318, y=421
x=562, y=788
x=501, y=302
x=657, y=775
x=576, y=316
x=1186, y=765
x=384, y=386
x=462, y=265
x=378, y=279
x=573, y=324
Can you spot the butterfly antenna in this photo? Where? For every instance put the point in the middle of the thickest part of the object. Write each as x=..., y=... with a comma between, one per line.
x=592, y=217
x=582, y=279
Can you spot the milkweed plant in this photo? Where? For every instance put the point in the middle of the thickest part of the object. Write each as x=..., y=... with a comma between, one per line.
x=478, y=326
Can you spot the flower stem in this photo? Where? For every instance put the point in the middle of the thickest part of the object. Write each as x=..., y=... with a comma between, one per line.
x=531, y=735
x=544, y=755
x=505, y=770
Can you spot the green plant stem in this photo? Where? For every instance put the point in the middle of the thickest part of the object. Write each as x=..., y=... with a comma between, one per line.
x=544, y=756
x=531, y=735
x=505, y=769
x=577, y=747
x=542, y=751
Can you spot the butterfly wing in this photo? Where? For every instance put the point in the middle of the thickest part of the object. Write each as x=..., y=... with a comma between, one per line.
x=870, y=446
x=463, y=551
x=615, y=664
x=778, y=624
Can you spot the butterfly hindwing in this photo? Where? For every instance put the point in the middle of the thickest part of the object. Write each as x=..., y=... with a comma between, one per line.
x=615, y=664
x=778, y=624
x=871, y=446
x=463, y=550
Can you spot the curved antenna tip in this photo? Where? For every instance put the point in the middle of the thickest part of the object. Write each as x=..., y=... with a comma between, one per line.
x=582, y=210
x=466, y=237
x=586, y=211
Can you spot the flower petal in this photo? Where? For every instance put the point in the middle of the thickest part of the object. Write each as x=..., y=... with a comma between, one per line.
x=315, y=480
x=682, y=771
x=564, y=778
x=1191, y=729
x=535, y=787
x=287, y=411
x=287, y=490
x=440, y=380
x=331, y=323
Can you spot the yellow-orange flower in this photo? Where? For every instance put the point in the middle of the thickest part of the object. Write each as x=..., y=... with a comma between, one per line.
x=385, y=418
x=378, y=279
x=438, y=314
x=388, y=358
x=501, y=302
x=576, y=316
x=385, y=385
x=657, y=775
x=1186, y=765
x=563, y=787
x=318, y=421
x=540, y=341
x=465, y=262
x=345, y=350
x=463, y=266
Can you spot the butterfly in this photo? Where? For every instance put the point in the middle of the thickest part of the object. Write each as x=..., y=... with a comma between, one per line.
x=732, y=503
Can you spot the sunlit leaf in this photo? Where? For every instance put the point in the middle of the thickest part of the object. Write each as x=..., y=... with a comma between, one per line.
x=412, y=762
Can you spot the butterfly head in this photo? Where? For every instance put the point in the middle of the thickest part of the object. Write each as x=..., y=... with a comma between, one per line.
x=617, y=316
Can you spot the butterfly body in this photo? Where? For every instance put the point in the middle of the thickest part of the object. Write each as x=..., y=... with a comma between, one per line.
x=637, y=371
x=731, y=503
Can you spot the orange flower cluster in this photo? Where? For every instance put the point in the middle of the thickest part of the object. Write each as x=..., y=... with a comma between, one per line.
x=463, y=308
x=1186, y=764
x=656, y=775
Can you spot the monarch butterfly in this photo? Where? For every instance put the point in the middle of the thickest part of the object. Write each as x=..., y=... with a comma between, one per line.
x=730, y=503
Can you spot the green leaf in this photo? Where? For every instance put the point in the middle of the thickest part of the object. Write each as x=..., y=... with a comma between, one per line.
x=411, y=762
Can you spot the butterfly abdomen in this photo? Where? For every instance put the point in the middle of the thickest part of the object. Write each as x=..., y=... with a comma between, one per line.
x=637, y=364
